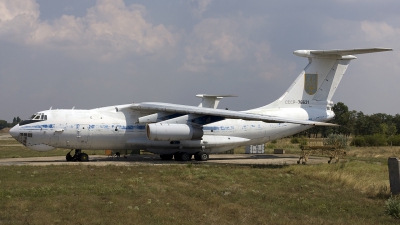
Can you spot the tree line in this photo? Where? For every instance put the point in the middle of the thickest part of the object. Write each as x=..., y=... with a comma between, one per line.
x=378, y=129
x=5, y=124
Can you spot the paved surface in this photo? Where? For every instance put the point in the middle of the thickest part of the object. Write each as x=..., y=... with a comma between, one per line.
x=98, y=160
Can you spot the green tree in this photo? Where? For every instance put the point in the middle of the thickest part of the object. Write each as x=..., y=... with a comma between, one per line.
x=361, y=124
x=3, y=124
x=383, y=129
x=345, y=118
x=16, y=120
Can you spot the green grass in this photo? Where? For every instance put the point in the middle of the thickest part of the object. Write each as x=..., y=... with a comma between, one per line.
x=192, y=194
x=351, y=192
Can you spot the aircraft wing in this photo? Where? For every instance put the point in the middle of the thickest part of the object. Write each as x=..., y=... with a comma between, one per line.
x=155, y=107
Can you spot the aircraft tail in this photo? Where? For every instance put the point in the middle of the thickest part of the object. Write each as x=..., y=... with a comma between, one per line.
x=317, y=83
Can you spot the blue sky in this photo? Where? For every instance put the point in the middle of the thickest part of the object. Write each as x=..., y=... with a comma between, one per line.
x=88, y=53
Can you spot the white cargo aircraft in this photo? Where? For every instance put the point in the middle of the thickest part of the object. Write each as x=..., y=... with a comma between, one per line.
x=180, y=131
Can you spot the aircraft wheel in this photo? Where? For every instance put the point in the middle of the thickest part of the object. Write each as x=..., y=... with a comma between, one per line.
x=166, y=157
x=185, y=156
x=69, y=157
x=177, y=157
x=83, y=157
x=201, y=156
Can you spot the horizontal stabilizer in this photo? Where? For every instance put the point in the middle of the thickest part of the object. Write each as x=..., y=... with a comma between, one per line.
x=338, y=52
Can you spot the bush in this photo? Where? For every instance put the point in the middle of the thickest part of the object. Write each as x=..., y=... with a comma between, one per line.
x=359, y=141
x=303, y=141
x=394, y=140
x=294, y=140
x=376, y=140
x=392, y=207
x=338, y=140
x=370, y=140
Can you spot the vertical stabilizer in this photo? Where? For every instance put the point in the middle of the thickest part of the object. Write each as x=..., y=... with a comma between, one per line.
x=319, y=80
x=211, y=101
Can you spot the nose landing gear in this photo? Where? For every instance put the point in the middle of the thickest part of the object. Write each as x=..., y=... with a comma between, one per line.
x=78, y=156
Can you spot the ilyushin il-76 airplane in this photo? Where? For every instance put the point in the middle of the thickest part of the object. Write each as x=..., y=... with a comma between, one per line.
x=181, y=131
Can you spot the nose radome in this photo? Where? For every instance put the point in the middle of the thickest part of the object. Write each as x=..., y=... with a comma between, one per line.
x=14, y=132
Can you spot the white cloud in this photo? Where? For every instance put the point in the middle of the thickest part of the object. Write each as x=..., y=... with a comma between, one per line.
x=226, y=41
x=110, y=29
x=212, y=41
x=378, y=31
x=17, y=19
x=11, y=9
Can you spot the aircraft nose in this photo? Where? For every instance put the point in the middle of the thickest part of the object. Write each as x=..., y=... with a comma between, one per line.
x=14, y=132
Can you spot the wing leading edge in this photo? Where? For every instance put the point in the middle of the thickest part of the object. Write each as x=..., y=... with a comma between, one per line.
x=184, y=109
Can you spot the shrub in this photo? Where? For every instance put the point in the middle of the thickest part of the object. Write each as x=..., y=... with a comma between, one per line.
x=358, y=141
x=338, y=140
x=392, y=207
x=303, y=141
x=370, y=140
x=376, y=140
x=394, y=140
x=294, y=140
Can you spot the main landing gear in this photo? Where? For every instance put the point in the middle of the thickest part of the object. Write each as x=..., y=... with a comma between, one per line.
x=78, y=156
x=184, y=156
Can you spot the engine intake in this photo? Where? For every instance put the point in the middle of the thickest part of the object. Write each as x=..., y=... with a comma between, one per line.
x=173, y=132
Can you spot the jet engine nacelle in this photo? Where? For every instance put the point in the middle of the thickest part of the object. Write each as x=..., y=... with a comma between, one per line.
x=173, y=132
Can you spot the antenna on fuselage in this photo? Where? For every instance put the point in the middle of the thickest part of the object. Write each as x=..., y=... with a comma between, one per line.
x=51, y=107
x=73, y=107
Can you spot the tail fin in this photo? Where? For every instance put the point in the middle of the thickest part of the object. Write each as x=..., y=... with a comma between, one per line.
x=317, y=83
x=211, y=101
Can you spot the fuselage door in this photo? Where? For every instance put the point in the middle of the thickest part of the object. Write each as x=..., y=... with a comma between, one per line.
x=82, y=135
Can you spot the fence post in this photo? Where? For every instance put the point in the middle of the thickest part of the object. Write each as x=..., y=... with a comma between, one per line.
x=394, y=175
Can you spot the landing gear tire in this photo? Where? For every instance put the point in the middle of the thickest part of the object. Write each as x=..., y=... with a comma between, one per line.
x=166, y=157
x=78, y=156
x=83, y=157
x=183, y=156
x=201, y=156
x=186, y=156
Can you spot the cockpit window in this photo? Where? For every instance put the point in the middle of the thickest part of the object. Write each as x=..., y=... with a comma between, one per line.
x=37, y=117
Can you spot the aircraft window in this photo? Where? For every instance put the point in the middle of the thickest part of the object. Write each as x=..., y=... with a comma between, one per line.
x=41, y=117
x=33, y=116
x=29, y=134
x=25, y=134
x=37, y=117
x=45, y=117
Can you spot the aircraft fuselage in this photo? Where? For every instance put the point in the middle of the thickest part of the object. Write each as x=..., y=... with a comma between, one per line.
x=116, y=128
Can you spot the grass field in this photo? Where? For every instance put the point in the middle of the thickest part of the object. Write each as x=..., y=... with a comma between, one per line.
x=350, y=192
